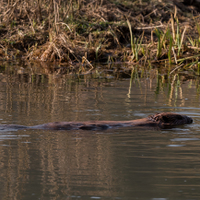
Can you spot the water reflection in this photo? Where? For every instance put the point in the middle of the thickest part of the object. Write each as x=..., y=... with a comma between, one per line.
x=115, y=164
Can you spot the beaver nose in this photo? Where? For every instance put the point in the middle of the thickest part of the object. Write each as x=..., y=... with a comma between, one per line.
x=190, y=120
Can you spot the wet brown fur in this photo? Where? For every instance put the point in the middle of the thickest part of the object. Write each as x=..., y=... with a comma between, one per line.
x=159, y=120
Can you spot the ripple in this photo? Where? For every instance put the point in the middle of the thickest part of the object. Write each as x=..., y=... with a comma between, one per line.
x=184, y=139
x=11, y=136
x=175, y=145
x=159, y=198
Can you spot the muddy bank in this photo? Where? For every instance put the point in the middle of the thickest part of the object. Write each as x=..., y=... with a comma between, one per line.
x=104, y=31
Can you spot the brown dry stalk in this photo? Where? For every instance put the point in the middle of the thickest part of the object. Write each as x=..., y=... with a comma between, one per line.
x=30, y=20
x=47, y=52
x=84, y=59
x=56, y=15
x=183, y=34
x=173, y=28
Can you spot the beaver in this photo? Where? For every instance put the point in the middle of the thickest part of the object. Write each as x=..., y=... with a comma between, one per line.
x=159, y=120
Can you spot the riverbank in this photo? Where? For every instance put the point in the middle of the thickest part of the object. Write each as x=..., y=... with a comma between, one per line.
x=100, y=31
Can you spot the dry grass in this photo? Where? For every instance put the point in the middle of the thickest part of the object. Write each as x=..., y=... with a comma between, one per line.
x=76, y=31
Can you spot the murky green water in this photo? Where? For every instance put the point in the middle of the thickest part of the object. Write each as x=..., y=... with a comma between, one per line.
x=114, y=164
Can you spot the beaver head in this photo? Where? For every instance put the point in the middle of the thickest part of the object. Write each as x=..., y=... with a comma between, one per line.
x=167, y=120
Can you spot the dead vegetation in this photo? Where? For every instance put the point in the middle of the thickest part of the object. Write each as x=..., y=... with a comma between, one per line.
x=100, y=30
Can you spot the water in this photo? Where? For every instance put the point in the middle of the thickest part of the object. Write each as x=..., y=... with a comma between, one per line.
x=119, y=163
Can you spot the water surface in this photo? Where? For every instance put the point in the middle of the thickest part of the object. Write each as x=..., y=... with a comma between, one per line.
x=119, y=163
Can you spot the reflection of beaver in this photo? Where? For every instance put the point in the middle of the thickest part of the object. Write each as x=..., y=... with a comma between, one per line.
x=162, y=120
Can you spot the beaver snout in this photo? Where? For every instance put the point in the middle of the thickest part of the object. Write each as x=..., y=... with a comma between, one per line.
x=189, y=120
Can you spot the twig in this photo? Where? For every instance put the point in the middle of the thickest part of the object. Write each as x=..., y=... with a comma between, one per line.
x=65, y=25
x=84, y=59
x=176, y=68
x=149, y=27
x=151, y=13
